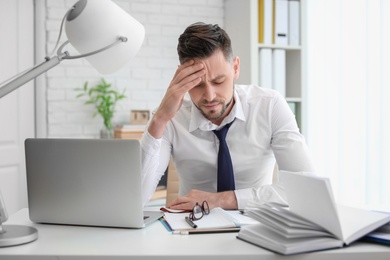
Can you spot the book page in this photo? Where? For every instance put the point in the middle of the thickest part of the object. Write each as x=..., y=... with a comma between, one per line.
x=357, y=222
x=286, y=224
x=311, y=197
x=261, y=235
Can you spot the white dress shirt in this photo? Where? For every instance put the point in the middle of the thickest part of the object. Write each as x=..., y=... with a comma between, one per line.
x=264, y=129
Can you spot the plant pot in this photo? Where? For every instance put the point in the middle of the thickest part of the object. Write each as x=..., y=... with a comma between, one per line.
x=107, y=133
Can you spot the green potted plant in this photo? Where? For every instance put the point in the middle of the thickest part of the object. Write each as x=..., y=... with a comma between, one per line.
x=104, y=98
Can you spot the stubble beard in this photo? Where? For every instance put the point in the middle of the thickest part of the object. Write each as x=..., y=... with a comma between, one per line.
x=214, y=114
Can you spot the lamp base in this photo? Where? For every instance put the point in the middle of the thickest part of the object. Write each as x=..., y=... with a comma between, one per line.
x=12, y=235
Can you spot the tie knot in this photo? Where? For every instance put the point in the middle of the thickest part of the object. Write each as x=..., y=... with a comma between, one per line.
x=221, y=133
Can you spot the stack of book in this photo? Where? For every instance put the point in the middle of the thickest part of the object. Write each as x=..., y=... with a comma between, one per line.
x=129, y=131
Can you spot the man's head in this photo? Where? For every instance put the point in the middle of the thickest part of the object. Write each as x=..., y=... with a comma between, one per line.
x=210, y=45
x=201, y=40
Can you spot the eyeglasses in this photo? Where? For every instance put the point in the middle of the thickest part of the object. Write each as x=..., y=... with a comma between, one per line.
x=199, y=211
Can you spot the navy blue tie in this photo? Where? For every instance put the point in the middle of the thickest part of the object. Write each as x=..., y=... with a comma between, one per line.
x=225, y=180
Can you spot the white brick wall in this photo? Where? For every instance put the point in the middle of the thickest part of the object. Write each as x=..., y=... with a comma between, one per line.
x=144, y=79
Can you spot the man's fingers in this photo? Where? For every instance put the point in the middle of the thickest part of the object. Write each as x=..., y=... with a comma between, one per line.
x=187, y=74
x=186, y=64
x=178, y=201
x=182, y=202
x=183, y=66
x=193, y=80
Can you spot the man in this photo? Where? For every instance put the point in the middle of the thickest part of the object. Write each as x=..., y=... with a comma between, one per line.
x=202, y=99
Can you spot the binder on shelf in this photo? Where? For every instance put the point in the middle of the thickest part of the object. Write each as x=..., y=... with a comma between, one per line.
x=280, y=28
x=279, y=71
x=293, y=22
x=265, y=68
x=265, y=21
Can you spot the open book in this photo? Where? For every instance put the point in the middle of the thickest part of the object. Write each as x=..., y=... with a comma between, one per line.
x=312, y=222
x=216, y=219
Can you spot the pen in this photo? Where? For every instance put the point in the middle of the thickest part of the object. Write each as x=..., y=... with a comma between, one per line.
x=205, y=231
x=189, y=221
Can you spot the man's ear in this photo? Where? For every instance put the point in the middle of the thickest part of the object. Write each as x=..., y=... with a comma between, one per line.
x=236, y=67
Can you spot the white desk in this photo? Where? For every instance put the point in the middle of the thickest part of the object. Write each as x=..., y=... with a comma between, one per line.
x=155, y=242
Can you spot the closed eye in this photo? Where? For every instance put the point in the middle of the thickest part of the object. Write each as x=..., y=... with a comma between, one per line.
x=219, y=80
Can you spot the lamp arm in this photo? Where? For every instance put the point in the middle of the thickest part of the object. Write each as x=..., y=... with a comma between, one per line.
x=14, y=83
x=17, y=81
x=118, y=40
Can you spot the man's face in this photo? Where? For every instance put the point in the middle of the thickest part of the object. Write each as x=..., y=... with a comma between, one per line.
x=213, y=96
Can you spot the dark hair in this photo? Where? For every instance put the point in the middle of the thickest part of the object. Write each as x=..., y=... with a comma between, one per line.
x=201, y=40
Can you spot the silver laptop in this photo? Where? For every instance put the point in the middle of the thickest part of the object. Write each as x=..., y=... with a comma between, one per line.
x=91, y=182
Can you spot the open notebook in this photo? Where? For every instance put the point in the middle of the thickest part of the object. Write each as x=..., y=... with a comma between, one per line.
x=216, y=219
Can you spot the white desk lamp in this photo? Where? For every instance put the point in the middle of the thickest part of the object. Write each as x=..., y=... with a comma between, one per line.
x=108, y=38
x=100, y=31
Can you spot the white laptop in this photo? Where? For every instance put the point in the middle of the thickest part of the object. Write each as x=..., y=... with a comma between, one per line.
x=91, y=182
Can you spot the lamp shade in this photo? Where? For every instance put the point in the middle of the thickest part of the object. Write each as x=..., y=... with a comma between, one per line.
x=94, y=24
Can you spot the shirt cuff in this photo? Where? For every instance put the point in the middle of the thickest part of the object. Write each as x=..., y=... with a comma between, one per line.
x=243, y=196
x=149, y=144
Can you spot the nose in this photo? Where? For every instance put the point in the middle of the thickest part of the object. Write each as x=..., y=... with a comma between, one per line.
x=209, y=93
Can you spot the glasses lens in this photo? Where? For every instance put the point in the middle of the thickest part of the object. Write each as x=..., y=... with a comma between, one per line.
x=197, y=212
x=205, y=207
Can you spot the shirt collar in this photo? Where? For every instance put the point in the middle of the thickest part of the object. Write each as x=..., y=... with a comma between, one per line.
x=197, y=120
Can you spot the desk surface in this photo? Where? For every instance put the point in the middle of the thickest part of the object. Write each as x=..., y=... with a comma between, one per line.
x=154, y=241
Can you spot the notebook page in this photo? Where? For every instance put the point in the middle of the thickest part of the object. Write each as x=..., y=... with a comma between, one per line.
x=216, y=219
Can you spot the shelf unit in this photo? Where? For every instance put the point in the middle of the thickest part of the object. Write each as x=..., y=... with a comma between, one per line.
x=241, y=23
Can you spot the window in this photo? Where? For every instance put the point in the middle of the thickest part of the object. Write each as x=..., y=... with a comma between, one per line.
x=348, y=97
